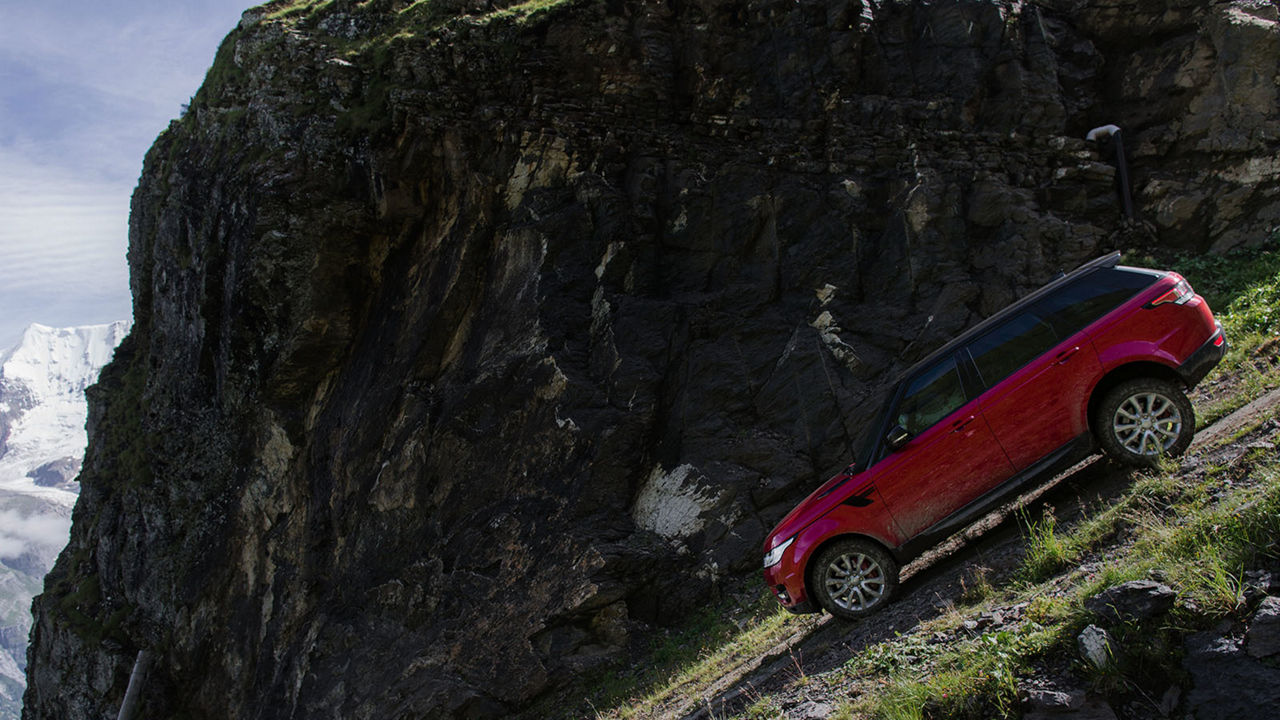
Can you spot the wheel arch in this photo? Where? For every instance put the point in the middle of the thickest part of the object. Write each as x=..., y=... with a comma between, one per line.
x=817, y=550
x=1124, y=373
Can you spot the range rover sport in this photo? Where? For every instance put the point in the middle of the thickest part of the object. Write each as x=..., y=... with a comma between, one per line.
x=1097, y=359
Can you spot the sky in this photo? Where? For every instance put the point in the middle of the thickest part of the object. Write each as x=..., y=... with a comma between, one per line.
x=85, y=88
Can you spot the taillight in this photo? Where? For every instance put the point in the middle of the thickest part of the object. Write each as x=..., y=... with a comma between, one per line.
x=1179, y=294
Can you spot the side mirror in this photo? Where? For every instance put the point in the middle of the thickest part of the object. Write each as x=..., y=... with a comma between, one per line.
x=897, y=437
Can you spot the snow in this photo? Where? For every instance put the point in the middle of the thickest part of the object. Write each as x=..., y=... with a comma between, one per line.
x=43, y=379
x=61, y=362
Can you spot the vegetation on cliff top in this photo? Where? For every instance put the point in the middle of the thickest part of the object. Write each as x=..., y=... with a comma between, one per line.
x=410, y=16
x=364, y=36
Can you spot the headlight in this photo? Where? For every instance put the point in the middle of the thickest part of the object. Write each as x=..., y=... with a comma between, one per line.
x=774, y=556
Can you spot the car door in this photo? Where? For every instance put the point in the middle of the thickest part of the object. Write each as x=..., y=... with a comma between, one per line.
x=951, y=457
x=1037, y=386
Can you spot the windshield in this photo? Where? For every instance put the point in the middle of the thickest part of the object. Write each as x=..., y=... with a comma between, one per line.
x=870, y=436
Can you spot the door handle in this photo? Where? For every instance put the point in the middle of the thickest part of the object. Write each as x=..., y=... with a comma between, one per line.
x=1066, y=355
x=959, y=425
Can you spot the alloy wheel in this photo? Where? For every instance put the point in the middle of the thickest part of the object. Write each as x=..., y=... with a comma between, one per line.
x=855, y=581
x=1147, y=423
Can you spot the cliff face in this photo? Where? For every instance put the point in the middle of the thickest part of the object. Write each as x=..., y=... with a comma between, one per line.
x=470, y=340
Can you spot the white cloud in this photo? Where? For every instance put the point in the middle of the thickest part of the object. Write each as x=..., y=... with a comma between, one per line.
x=18, y=532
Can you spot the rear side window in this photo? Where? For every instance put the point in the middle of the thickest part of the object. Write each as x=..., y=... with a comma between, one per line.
x=1088, y=298
x=1012, y=344
x=931, y=396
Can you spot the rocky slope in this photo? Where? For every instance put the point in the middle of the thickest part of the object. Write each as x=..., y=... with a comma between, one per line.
x=473, y=338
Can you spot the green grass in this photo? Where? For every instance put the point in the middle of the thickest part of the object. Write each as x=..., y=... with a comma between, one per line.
x=1224, y=279
x=527, y=10
x=294, y=8
x=975, y=679
x=1205, y=550
x=1047, y=550
x=763, y=708
x=684, y=665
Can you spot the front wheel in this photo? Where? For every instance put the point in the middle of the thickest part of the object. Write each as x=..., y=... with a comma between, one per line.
x=1140, y=420
x=853, y=578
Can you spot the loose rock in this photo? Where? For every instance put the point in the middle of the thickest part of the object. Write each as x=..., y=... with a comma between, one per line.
x=1095, y=646
x=1133, y=600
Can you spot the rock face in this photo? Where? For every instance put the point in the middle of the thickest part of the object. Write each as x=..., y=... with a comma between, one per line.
x=473, y=339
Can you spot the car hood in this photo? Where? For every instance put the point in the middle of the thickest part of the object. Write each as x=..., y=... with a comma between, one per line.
x=819, y=502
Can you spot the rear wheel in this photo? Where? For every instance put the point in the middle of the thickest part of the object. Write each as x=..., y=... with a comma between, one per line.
x=853, y=578
x=1140, y=420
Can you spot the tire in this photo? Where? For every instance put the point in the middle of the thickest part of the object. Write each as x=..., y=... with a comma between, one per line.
x=853, y=578
x=1140, y=420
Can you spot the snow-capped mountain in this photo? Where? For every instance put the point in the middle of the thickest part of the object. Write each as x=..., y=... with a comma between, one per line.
x=42, y=405
x=42, y=441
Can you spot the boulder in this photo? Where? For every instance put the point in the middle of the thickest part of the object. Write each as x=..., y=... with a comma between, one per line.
x=1131, y=601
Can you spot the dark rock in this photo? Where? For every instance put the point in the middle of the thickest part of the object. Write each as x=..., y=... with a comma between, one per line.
x=1262, y=581
x=1048, y=703
x=1133, y=600
x=1263, y=636
x=984, y=621
x=1227, y=684
x=1256, y=586
x=1169, y=700
x=1082, y=708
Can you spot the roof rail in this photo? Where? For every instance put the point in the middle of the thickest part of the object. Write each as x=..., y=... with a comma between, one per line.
x=1110, y=260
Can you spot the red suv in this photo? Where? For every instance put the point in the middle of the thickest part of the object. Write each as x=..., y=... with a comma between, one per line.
x=1096, y=358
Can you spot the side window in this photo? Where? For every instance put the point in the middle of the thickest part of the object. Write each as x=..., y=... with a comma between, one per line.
x=1086, y=299
x=1002, y=351
x=931, y=396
